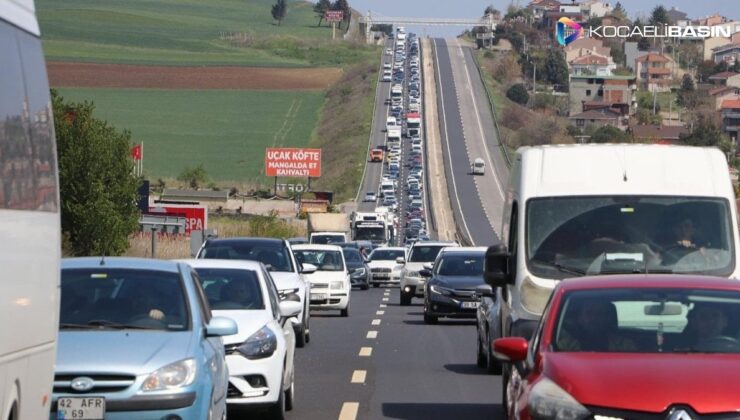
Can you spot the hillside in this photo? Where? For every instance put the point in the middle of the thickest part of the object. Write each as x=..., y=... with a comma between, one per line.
x=190, y=32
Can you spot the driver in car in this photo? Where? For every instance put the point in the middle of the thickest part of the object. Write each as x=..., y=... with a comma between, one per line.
x=705, y=322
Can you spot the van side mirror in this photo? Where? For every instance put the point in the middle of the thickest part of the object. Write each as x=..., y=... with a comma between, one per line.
x=496, y=272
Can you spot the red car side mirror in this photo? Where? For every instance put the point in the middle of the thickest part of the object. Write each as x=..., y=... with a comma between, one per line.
x=510, y=349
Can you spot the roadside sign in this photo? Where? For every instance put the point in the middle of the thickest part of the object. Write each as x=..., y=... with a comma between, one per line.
x=196, y=217
x=334, y=15
x=297, y=162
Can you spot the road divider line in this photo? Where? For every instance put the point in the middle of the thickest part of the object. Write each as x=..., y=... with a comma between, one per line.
x=383, y=306
x=358, y=376
x=385, y=299
x=372, y=334
x=379, y=312
x=366, y=352
x=375, y=322
x=349, y=411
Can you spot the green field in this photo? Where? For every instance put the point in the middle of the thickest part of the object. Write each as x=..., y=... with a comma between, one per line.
x=189, y=32
x=226, y=130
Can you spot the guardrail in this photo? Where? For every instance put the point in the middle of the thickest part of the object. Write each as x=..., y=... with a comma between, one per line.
x=501, y=143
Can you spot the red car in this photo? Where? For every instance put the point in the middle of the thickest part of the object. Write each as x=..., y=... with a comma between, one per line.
x=629, y=347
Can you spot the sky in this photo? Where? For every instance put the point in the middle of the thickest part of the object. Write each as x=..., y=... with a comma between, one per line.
x=475, y=8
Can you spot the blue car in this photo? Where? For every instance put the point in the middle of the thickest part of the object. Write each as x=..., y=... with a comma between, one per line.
x=137, y=341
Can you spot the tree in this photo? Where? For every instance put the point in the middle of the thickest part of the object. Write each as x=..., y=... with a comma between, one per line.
x=609, y=134
x=490, y=10
x=320, y=9
x=706, y=133
x=342, y=5
x=194, y=176
x=659, y=17
x=556, y=69
x=279, y=10
x=687, y=83
x=96, y=181
x=643, y=44
x=619, y=11
x=518, y=93
x=704, y=69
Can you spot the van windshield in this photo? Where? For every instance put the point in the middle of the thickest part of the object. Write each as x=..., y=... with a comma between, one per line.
x=567, y=236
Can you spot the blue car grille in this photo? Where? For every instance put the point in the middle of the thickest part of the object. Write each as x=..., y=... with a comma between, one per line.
x=101, y=383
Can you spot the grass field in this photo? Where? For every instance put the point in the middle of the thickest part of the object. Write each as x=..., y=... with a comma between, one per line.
x=189, y=32
x=226, y=130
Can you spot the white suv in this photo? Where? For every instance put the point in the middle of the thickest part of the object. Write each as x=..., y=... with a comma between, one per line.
x=277, y=256
x=420, y=254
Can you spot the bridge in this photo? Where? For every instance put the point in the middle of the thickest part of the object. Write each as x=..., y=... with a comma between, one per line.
x=371, y=19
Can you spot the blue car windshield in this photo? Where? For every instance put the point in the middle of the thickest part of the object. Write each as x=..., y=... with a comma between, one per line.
x=123, y=298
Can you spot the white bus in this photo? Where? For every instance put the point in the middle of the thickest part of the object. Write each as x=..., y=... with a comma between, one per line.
x=30, y=247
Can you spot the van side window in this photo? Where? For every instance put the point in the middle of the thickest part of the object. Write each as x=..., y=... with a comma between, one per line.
x=513, y=241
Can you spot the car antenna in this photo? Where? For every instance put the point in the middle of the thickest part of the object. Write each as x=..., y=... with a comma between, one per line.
x=102, y=260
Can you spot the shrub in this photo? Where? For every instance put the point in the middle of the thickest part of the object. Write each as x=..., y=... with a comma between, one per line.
x=518, y=93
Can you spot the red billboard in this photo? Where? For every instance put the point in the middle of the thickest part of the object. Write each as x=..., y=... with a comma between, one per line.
x=197, y=216
x=297, y=162
x=334, y=15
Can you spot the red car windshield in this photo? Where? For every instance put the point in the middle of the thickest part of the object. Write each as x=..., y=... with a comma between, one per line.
x=649, y=321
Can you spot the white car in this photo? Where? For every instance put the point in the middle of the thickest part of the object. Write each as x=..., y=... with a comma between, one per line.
x=387, y=65
x=277, y=256
x=421, y=255
x=330, y=283
x=260, y=355
x=370, y=196
x=383, y=266
x=388, y=51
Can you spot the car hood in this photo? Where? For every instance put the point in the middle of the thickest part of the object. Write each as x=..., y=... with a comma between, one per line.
x=458, y=282
x=286, y=280
x=326, y=276
x=648, y=382
x=416, y=266
x=249, y=322
x=121, y=351
x=382, y=264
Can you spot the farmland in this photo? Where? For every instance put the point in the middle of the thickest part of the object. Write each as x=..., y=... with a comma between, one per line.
x=226, y=130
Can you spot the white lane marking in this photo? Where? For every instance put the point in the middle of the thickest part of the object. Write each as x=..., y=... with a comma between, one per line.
x=375, y=322
x=372, y=334
x=387, y=290
x=480, y=125
x=447, y=139
x=366, y=352
x=358, y=376
x=349, y=411
x=383, y=306
x=385, y=299
x=379, y=312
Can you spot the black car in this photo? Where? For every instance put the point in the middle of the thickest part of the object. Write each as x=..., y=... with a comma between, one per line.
x=359, y=272
x=450, y=292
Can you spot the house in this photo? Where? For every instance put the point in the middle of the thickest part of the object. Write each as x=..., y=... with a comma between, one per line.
x=550, y=18
x=729, y=53
x=712, y=20
x=730, y=112
x=592, y=65
x=675, y=15
x=540, y=7
x=631, y=52
x=723, y=93
x=596, y=9
x=657, y=133
x=585, y=46
x=654, y=71
x=596, y=117
x=711, y=43
x=569, y=8
x=725, y=78
x=614, y=92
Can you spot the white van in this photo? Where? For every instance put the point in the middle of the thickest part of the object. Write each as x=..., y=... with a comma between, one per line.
x=606, y=209
x=390, y=122
x=30, y=228
x=478, y=167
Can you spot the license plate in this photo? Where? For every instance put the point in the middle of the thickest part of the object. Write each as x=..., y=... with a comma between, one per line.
x=469, y=305
x=319, y=296
x=381, y=277
x=81, y=408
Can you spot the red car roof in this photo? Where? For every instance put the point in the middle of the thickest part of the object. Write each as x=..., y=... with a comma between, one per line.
x=649, y=281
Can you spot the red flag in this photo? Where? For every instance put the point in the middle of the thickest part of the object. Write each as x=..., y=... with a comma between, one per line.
x=136, y=152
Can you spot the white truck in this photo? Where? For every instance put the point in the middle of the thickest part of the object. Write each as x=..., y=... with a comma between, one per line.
x=328, y=228
x=377, y=227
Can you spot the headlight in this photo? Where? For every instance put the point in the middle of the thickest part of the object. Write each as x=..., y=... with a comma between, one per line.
x=440, y=290
x=359, y=272
x=259, y=345
x=534, y=297
x=413, y=274
x=337, y=284
x=549, y=401
x=176, y=375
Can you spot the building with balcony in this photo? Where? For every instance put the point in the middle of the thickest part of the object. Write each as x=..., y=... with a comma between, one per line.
x=588, y=92
x=540, y=7
x=654, y=72
x=596, y=118
x=596, y=8
x=592, y=65
x=729, y=53
x=730, y=114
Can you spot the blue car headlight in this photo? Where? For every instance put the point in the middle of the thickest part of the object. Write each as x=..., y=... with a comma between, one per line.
x=259, y=345
x=175, y=375
x=440, y=290
x=360, y=272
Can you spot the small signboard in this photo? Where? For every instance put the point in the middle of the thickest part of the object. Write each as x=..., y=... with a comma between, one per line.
x=196, y=217
x=297, y=162
x=334, y=15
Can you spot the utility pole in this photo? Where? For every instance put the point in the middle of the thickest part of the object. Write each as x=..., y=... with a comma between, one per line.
x=534, y=80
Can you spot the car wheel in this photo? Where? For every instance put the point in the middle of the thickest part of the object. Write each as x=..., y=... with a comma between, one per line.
x=493, y=365
x=481, y=361
x=300, y=336
x=428, y=319
x=376, y=285
x=290, y=394
x=505, y=392
x=344, y=313
x=277, y=410
x=365, y=286
x=405, y=299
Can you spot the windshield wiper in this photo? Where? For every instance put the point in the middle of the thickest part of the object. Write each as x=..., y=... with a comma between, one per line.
x=560, y=267
x=115, y=325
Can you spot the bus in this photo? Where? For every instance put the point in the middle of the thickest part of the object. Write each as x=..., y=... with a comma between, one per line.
x=30, y=227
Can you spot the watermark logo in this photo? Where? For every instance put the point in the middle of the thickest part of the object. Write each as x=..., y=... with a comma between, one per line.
x=567, y=31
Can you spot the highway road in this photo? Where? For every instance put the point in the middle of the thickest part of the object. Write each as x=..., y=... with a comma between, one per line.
x=411, y=370
x=467, y=131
